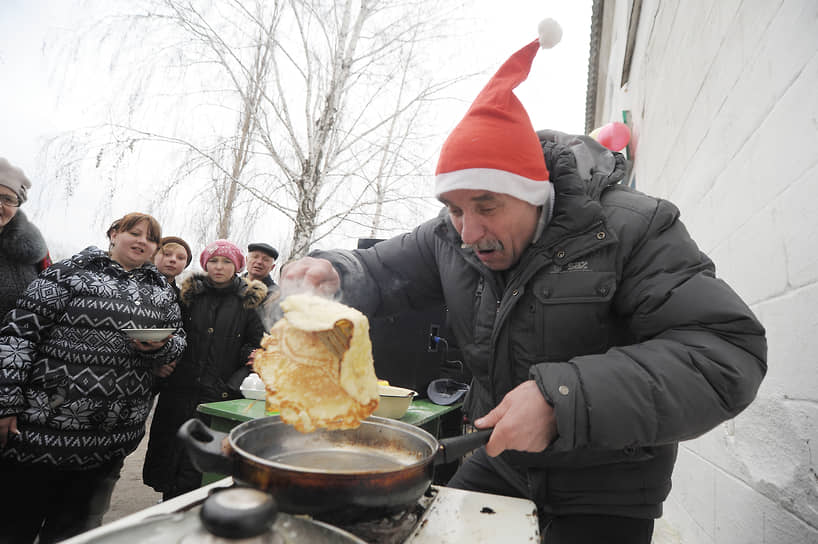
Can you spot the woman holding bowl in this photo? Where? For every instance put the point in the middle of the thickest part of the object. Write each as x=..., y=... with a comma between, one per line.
x=75, y=390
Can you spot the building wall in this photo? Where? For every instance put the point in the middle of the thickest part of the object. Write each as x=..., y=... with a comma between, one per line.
x=723, y=102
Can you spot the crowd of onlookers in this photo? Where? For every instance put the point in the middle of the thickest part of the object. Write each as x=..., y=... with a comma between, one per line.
x=76, y=388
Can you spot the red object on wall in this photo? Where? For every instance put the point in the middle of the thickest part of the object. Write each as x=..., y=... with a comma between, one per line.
x=615, y=136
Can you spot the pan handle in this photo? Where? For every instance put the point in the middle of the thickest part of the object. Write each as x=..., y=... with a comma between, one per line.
x=204, y=445
x=456, y=447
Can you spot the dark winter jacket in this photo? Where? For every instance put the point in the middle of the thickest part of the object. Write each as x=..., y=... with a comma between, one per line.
x=613, y=311
x=223, y=328
x=80, y=391
x=22, y=247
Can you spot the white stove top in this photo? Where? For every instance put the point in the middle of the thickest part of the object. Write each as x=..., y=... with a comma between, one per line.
x=453, y=516
x=457, y=516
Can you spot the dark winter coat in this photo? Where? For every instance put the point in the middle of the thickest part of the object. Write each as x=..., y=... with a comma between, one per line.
x=613, y=311
x=80, y=391
x=223, y=328
x=22, y=248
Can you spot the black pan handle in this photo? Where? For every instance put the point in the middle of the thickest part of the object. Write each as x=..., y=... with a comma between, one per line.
x=204, y=445
x=456, y=447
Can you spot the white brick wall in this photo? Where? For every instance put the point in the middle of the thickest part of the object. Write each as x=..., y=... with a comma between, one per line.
x=724, y=102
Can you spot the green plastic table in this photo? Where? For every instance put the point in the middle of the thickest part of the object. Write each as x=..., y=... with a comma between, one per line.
x=227, y=414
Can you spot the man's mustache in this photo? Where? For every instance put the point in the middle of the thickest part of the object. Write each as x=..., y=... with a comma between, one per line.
x=484, y=245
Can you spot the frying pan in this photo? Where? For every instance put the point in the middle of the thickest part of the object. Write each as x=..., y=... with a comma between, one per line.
x=382, y=465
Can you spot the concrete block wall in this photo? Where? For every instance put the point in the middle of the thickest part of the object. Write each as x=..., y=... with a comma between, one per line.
x=724, y=108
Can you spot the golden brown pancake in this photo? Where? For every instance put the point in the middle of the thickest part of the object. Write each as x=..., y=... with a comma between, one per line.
x=316, y=365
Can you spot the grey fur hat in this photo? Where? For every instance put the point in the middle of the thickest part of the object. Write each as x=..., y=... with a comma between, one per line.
x=13, y=178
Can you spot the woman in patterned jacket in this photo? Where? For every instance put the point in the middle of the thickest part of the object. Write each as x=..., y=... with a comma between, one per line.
x=75, y=391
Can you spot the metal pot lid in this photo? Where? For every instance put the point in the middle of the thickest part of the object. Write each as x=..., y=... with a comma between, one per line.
x=188, y=528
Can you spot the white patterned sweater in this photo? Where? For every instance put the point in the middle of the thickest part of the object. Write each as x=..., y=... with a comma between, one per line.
x=80, y=391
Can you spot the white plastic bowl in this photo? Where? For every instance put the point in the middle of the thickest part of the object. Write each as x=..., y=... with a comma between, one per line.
x=148, y=335
x=393, y=401
x=252, y=387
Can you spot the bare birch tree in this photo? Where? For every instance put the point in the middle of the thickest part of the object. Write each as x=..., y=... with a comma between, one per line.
x=310, y=110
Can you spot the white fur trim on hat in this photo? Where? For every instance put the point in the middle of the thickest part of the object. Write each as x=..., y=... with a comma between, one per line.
x=495, y=181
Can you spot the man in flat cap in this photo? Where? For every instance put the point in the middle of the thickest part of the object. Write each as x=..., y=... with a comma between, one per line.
x=261, y=260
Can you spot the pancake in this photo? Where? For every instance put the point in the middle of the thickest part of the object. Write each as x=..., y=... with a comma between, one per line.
x=316, y=365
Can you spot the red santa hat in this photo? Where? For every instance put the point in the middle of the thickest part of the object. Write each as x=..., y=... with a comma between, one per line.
x=495, y=147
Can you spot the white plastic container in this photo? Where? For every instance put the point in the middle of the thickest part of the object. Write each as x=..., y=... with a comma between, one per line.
x=394, y=401
x=252, y=387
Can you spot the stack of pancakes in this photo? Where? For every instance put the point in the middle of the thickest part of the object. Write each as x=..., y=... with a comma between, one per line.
x=316, y=365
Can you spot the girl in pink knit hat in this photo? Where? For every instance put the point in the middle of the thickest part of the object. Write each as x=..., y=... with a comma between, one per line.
x=223, y=328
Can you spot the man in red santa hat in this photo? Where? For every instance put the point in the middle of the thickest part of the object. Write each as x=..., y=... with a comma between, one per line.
x=596, y=331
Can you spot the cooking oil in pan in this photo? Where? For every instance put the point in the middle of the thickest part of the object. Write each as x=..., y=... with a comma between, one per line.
x=343, y=460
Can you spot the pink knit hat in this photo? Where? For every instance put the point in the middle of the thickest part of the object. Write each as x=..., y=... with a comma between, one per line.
x=494, y=147
x=223, y=248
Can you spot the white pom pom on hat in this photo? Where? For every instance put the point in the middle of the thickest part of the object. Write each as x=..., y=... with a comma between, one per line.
x=494, y=147
x=550, y=33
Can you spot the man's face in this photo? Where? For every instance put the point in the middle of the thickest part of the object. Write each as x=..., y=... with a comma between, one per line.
x=259, y=265
x=498, y=226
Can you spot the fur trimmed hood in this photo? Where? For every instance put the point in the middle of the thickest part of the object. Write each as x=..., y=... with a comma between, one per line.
x=21, y=241
x=251, y=292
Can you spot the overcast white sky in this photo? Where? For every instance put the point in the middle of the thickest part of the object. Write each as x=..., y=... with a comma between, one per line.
x=35, y=106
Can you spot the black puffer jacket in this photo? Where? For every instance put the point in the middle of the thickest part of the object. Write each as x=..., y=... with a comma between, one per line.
x=613, y=311
x=22, y=247
x=223, y=328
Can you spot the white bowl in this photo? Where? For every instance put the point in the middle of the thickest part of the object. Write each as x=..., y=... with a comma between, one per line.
x=254, y=394
x=253, y=388
x=393, y=401
x=148, y=335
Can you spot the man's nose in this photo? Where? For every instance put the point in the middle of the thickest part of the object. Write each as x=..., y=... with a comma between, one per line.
x=471, y=228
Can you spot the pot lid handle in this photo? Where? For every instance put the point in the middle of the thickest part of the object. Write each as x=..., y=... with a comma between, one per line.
x=238, y=512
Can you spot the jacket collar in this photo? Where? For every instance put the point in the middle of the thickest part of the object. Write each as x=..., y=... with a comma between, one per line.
x=251, y=292
x=92, y=255
x=21, y=241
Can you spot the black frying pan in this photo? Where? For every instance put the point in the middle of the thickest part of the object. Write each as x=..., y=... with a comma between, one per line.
x=382, y=465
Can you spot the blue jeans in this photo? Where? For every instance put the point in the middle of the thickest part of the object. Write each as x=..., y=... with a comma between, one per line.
x=51, y=502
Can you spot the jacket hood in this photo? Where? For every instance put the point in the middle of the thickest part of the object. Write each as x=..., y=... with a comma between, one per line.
x=21, y=241
x=251, y=292
x=597, y=165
